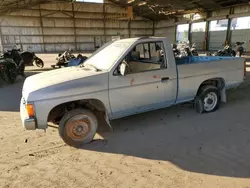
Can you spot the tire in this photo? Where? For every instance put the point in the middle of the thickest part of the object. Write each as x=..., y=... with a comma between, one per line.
x=68, y=127
x=10, y=74
x=207, y=99
x=39, y=63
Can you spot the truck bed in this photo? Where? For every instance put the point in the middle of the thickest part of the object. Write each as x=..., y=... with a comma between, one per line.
x=192, y=71
x=200, y=59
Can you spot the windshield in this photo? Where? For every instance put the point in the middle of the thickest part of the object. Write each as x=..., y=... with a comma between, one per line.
x=104, y=58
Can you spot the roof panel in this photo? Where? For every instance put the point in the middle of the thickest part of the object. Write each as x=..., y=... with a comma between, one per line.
x=152, y=9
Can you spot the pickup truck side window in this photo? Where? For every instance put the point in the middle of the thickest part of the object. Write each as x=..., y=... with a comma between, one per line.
x=146, y=57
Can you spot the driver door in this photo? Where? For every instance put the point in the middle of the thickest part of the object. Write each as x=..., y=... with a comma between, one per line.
x=149, y=84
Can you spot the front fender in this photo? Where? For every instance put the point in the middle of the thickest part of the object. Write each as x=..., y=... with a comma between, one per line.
x=44, y=107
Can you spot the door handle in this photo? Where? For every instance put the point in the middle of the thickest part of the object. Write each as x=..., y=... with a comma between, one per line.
x=165, y=79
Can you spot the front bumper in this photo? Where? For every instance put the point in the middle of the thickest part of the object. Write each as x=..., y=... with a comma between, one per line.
x=28, y=123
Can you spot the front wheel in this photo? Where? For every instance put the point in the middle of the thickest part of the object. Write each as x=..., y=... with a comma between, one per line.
x=78, y=127
x=39, y=63
x=208, y=99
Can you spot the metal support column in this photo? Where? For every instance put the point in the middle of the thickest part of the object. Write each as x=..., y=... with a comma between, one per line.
x=153, y=28
x=74, y=25
x=189, y=33
x=129, y=28
x=206, y=39
x=104, y=22
x=229, y=33
x=1, y=39
x=175, y=29
x=41, y=25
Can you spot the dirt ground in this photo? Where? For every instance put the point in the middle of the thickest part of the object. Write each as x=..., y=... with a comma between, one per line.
x=173, y=147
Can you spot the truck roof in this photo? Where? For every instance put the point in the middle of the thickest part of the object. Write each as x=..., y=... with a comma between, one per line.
x=140, y=38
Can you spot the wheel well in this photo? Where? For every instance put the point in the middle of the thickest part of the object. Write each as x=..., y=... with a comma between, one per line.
x=217, y=82
x=95, y=105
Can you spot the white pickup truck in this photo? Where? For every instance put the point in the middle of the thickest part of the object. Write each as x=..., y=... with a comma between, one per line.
x=123, y=78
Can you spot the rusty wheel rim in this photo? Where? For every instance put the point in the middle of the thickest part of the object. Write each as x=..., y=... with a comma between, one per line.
x=78, y=127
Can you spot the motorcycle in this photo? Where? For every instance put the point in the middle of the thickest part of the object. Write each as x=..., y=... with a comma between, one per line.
x=66, y=57
x=77, y=61
x=9, y=70
x=226, y=51
x=31, y=59
x=63, y=59
x=176, y=51
x=186, y=50
x=193, y=50
x=239, y=48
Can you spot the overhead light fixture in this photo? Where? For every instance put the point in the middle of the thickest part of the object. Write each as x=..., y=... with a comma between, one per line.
x=142, y=3
x=130, y=1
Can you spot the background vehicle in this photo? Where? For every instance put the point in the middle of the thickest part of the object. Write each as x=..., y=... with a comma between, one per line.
x=239, y=48
x=226, y=51
x=126, y=77
x=77, y=61
x=68, y=59
x=63, y=59
x=31, y=59
x=184, y=49
x=8, y=70
x=13, y=65
x=194, y=50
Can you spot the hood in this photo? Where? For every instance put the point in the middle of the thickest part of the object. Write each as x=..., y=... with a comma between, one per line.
x=57, y=83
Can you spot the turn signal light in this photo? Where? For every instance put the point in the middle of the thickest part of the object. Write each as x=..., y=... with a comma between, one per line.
x=30, y=109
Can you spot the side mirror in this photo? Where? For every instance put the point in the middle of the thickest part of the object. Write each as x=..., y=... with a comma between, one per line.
x=123, y=68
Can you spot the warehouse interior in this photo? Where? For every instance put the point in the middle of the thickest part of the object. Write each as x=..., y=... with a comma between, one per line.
x=80, y=108
x=53, y=26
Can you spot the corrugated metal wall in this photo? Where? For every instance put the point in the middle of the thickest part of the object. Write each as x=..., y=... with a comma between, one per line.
x=240, y=36
x=216, y=39
x=79, y=26
x=165, y=28
x=198, y=39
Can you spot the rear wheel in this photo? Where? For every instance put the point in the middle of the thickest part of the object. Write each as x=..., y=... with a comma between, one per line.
x=78, y=127
x=208, y=99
